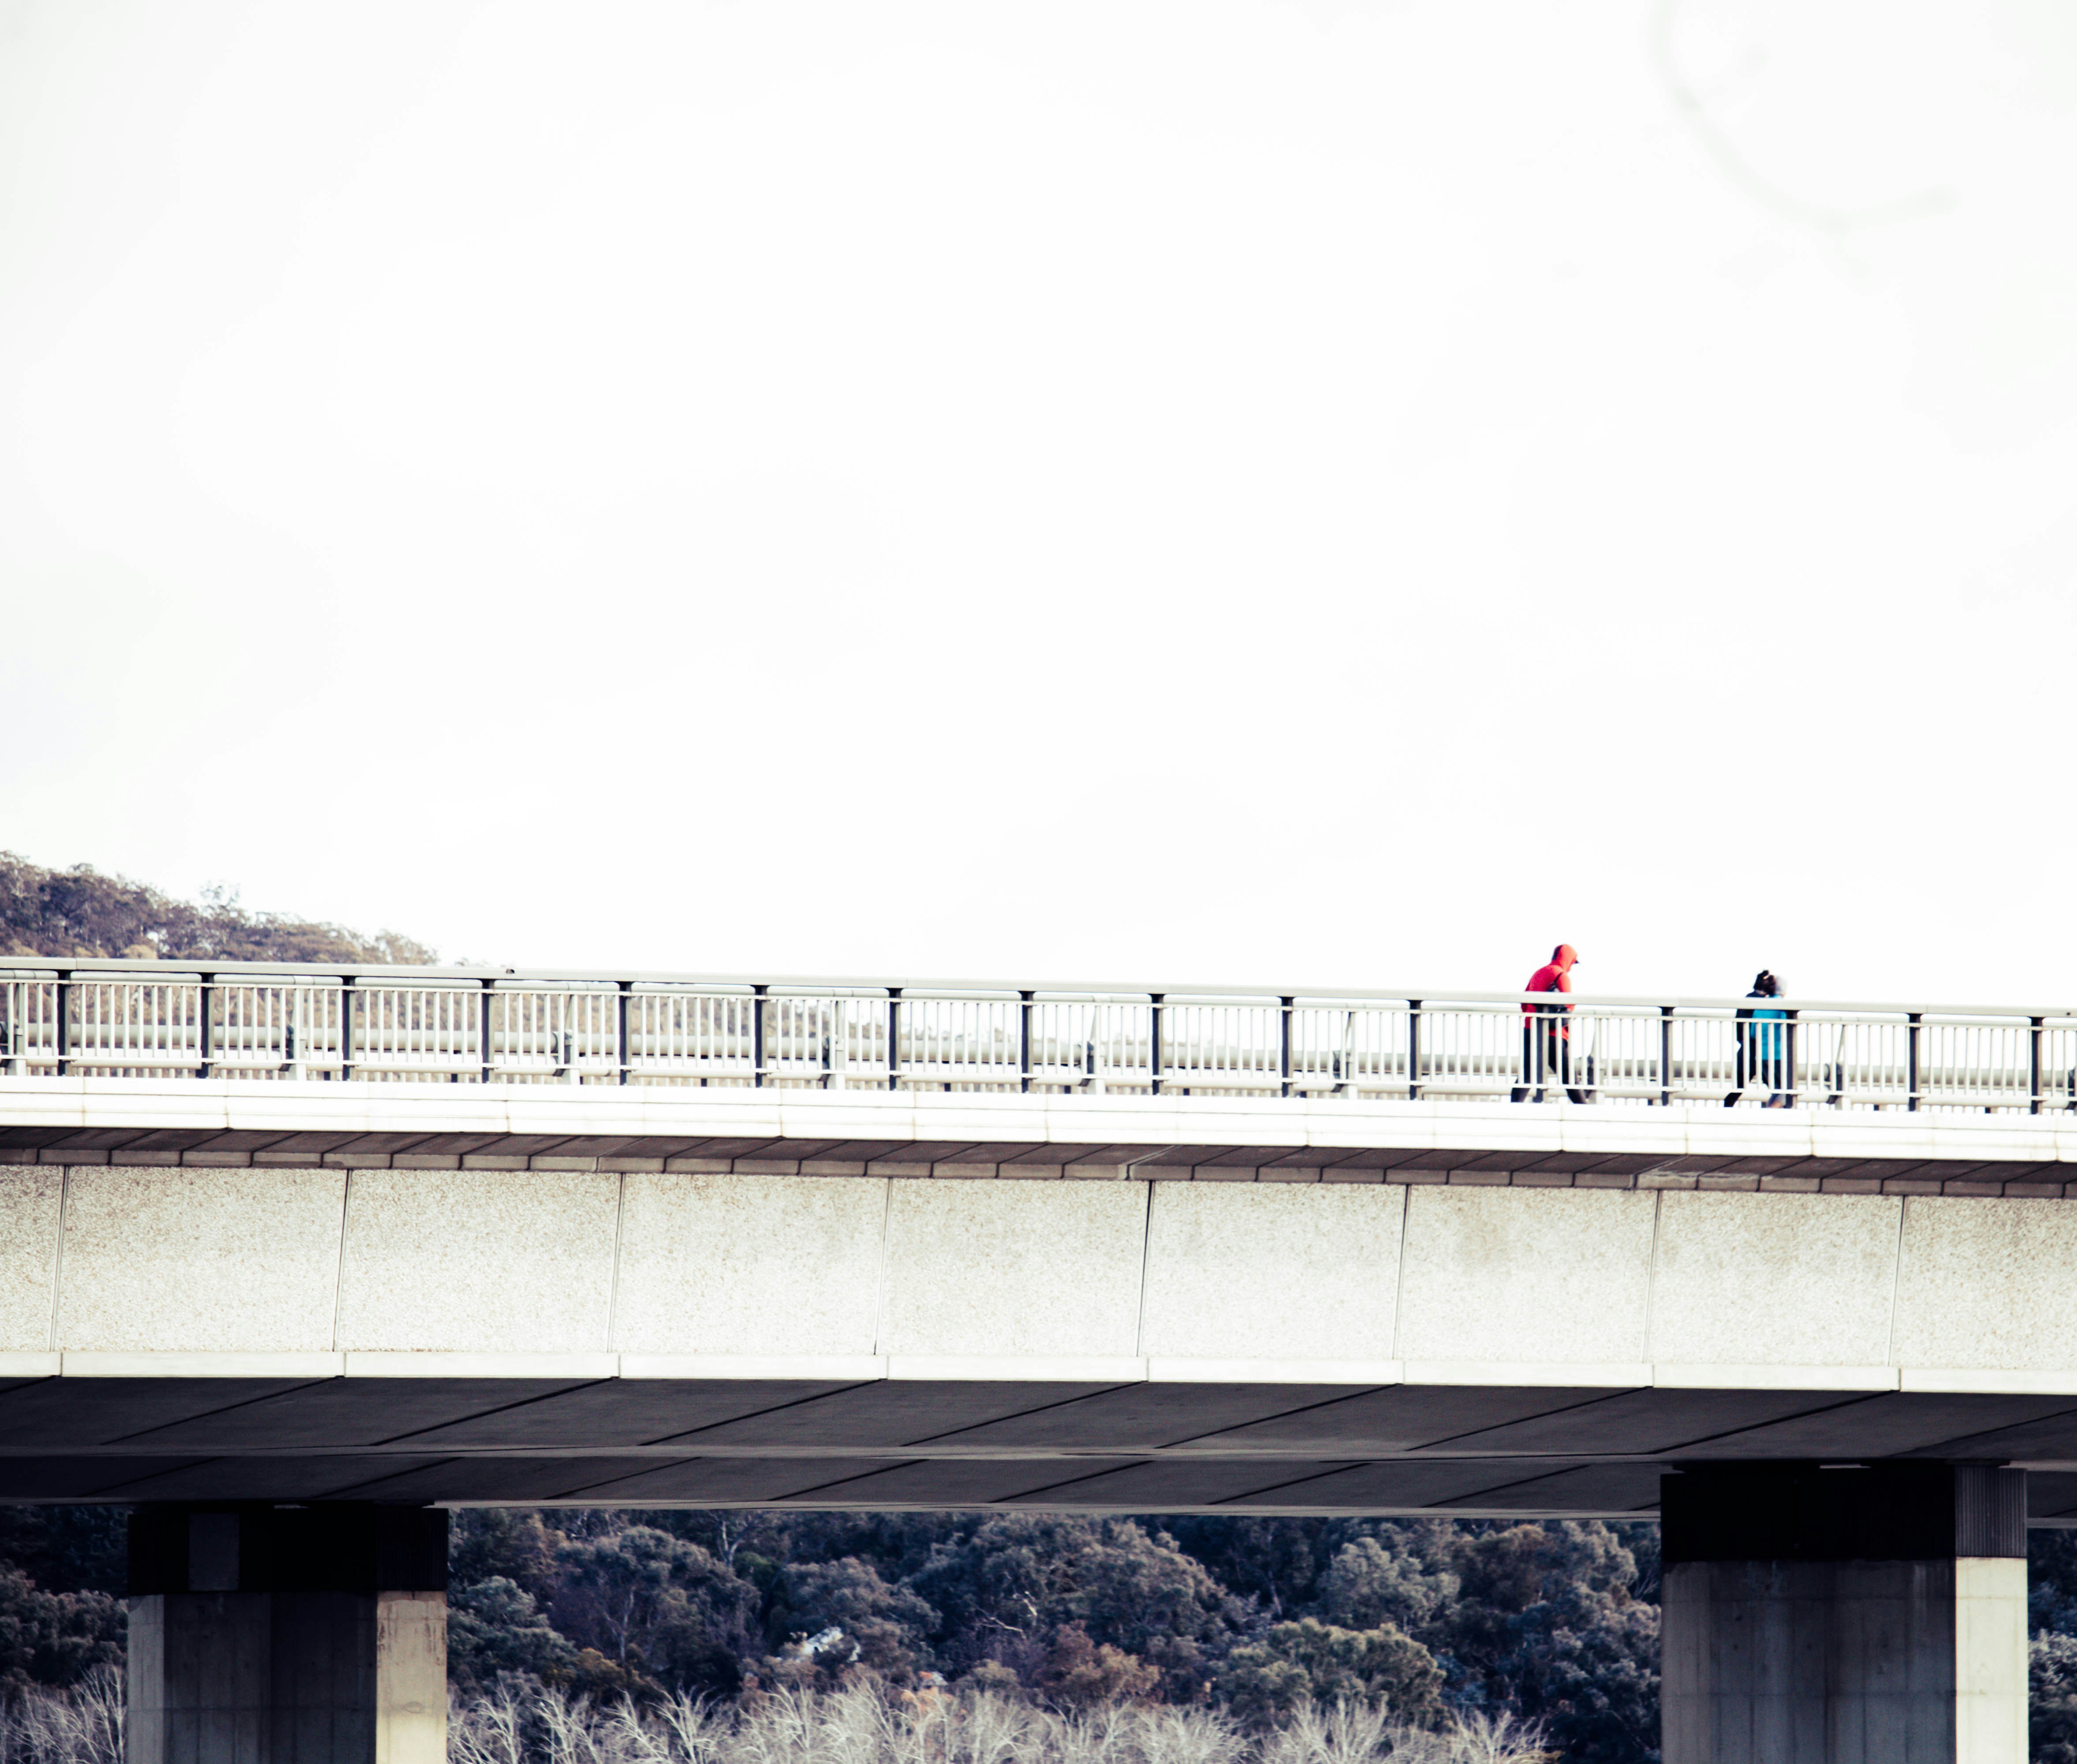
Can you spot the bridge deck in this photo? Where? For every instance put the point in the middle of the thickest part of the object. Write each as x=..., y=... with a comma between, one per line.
x=619, y=1295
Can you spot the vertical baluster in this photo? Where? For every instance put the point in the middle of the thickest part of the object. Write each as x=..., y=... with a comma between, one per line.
x=1284, y=1009
x=620, y=1031
x=205, y=1041
x=61, y=1023
x=1911, y=1059
x=1154, y=1041
x=1413, y=1049
x=346, y=1028
x=2033, y=1066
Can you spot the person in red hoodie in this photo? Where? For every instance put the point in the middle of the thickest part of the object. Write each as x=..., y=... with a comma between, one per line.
x=1547, y=1037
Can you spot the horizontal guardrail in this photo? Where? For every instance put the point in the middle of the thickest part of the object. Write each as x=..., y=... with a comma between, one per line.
x=444, y=1025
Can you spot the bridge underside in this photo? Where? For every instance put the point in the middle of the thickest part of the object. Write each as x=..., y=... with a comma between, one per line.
x=1062, y=1444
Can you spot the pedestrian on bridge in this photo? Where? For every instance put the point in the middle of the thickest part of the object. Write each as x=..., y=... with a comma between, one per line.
x=1547, y=1037
x=1762, y=1044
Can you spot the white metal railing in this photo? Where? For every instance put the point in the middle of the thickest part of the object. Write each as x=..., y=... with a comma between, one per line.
x=171, y=1020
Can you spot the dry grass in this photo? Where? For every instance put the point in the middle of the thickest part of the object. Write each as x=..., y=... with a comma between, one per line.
x=862, y=1727
x=83, y=1725
x=512, y=1726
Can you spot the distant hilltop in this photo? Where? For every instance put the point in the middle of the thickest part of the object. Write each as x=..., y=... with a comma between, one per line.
x=81, y=912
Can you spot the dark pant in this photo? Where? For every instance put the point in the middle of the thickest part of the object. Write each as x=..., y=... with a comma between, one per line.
x=1547, y=1059
x=1760, y=1062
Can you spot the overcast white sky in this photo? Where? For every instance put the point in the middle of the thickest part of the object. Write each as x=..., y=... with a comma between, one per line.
x=1306, y=492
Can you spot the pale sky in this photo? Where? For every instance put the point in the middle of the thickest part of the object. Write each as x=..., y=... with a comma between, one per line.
x=1297, y=492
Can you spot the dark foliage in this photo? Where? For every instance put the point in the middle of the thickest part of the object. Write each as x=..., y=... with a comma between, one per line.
x=81, y=912
x=68, y=1549
x=1542, y=1621
x=55, y=1637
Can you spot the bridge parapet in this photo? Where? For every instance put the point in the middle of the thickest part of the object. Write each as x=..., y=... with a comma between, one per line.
x=252, y=1021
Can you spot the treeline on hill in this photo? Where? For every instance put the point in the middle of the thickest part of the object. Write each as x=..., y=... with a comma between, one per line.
x=80, y=912
x=1557, y=1622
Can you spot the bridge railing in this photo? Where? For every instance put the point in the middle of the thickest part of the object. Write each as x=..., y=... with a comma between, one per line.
x=145, y=1021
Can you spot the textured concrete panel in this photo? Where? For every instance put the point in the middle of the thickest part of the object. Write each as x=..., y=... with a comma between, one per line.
x=1804, y=1279
x=1221, y=1258
x=491, y=1261
x=1549, y=1275
x=1014, y=1267
x=735, y=1264
x=410, y=1678
x=1990, y=1659
x=28, y=1254
x=200, y=1260
x=1855, y=1662
x=1987, y=1283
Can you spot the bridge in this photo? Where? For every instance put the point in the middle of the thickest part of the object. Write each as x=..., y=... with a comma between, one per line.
x=294, y=1259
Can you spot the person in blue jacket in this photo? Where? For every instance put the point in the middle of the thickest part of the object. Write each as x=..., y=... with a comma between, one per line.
x=1763, y=1043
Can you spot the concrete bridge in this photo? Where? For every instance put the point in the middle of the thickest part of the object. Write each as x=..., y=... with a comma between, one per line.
x=1833, y=1343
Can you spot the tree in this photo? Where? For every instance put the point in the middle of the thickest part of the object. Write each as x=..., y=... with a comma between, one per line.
x=1547, y=1625
x=2051, y=1683
x=1312, y=1661
x=884, y=1627
x=1079, y=1674
x=1013, y=1580
x=55, y=1637
x=1373, y=1581
x=494, y=1627
x=660, y=1609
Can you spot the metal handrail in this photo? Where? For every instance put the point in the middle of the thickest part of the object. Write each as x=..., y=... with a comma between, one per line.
x=369, y=1024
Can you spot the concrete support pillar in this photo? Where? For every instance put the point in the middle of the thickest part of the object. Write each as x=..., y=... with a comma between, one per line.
x=287, y=1635
x=1857, y=1615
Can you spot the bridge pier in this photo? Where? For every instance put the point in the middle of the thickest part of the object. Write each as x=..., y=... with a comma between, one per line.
x=1854, y=1615
x=287, y=1635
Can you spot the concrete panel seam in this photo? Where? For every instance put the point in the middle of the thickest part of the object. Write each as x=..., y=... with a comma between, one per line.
x=1399, y=1277
x=612, y=1295
x=57, y=1264
x=1652, y=1274
x=1896, y=1273
x=1145, y=1256
x=886, y=1232
x=338, y=1275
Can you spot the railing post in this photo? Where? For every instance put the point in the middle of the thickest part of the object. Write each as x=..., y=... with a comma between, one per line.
x=61, y=1025
x=346, y=1003
x=1024, y=1041
x=894, y=1037
x=1666, y=1056
x=485, y=1047
x=1284, y=1041
x=1413, y=1049
x=1788, y=1028
x=836, y=1048
x=620, y=1031
x=18, y=993
x=2033, y=1066
x=1153, y=1041
x=1911, y=1060
x=757, y=1037
x=204, y=1040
